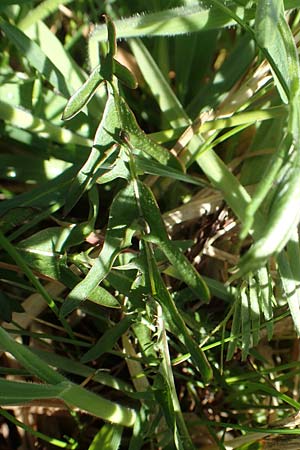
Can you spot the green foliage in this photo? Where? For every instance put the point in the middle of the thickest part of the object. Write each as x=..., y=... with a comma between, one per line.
x=149, y=215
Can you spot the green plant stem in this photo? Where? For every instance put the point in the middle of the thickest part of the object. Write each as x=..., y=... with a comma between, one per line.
x=52, y=441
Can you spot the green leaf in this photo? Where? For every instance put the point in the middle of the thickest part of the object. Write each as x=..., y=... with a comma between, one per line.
x=14, y=392
x=266, y=21
x=266, y=181
x=159, y=236
x=151, y=167
x=125, y=75
x=102, y=72
x=43, y=252
x=99, y=296
x=83, y=95
x=144, y=335
x=98, y=406
x=51, y=193
x=104, y=146
x=29, y=360
x=111, y=38
x=123, y=213
x=40, y=251
x=293, y=254
x=211, y=164
x=116, y=167
x=76, y=233
x=55, y=51
x=139, y=141
x=165, y=391
x=5, y=3
x=108, y=339
x=163, y=397
x=274, y=35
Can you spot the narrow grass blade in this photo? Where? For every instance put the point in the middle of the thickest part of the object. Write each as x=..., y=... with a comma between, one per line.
x=16, y=392
x=10, y=249
x=263, y=387
x=284, y=215
x=28, y=360
x=254, y=310
x=245, y=323
x=293, y=254
x=266, y=21
x=171, y=22
x=40, y=12
x=181, y=20
x=166, y=394
x=49, y=194
x=266, y=182
x=237, y=119
x=96, y=405
x=268, y=36
x=53, y=441
x=36, y=57
x=235, y=328
x=266, y=297
x=63, y=389
x=167, y=100
x=55, y=51
x=8, y=305
x=291, y=290
x=144, y=333
x=43, y=128
x=161, y=294
x=71, y=366
x=108, y=438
